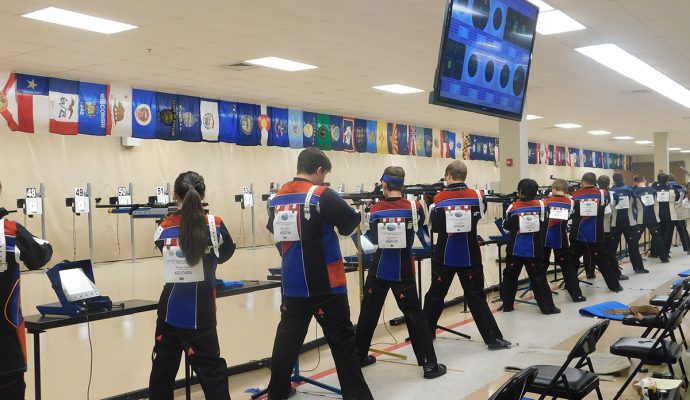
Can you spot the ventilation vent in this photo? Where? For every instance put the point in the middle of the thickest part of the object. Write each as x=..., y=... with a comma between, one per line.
x=239, y=66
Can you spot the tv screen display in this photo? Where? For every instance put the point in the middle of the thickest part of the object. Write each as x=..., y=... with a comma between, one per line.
x=485, y=56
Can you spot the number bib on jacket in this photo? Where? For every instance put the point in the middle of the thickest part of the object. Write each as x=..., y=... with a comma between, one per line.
x=458, y=219
x=559, y=213
x=392, y=233
x=623, y=203
x=285, y=227
x=663, y=196
x=647, y=199
x=529, y=222
x=588, y=208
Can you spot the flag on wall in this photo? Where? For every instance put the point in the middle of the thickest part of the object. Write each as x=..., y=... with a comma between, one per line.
x=573, y=159
x=532, y=153
x=428, y=142
x=120, y=110
x=382, y=137
x=598, y=159
x=323, y=132
x=94, y=118
x=403, y=140
x=552, y=155
x=228, y=122
x=309, y=130
x=143, y=114
x=543, y=154
x=348, y=132
x=588, y=159
x=188, y=118
x=392, y=138
x=278, y=134
x=447, y=144
x=419, y=142
x=33, y=103
x=361, y=135
x=371, y=136
x=296, y=129
x=412, y=139
x=249, y=133
x=8, y=99
x=166, y=116
x=335, y=132
x=210, y=120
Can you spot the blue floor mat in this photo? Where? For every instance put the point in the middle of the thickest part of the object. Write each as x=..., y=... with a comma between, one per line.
x=684, y=274
x=599, y=310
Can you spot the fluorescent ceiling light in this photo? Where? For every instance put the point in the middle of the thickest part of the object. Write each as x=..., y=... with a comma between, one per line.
x=542, y=6
x=674, y=148
x=599, y=132
x=626, y=64
x=556, y=21
x=531, y=117
x=568, y=125
x=281, y=64
x=623, y=137
x=685, y=151
x=398, y=89
x=644, y=142
x=78, y=20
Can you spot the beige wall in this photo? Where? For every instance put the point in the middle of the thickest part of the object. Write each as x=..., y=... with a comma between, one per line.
x=65, y=162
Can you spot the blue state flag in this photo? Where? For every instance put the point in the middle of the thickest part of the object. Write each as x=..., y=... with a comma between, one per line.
x=295, y=129
x=93, y=109
x=428, y=141
x=166, y=116
x=371, y=136
x=336, y=132
x=403, y=140
x=188, y=118
x=309, y=131
x=532, y=153
x=361, y=135
x=143, y=114
x=229, y=124
x=249, y=133
x=278, y=134
x=419, y=142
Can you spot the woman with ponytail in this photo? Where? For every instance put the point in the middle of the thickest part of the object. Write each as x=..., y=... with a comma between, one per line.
x=193, y=244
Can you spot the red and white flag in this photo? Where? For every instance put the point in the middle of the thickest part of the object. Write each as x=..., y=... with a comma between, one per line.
x=64, y=106
x=32, y=103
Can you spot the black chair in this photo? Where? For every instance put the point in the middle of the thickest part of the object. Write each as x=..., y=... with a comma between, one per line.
x=516, y=386
x=572, y=383
x=660, y=351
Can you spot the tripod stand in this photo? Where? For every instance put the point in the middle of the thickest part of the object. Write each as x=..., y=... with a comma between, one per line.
x=300, y=379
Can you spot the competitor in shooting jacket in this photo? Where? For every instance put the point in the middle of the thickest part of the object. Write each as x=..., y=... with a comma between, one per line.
x=17, y=246
x=393, y=224
x=454, y=217
x=648, y=216
x=610, y=250
x=525, y=222
x=303, y=219
x=624, y=222
x=666, y=196
x=681, y=213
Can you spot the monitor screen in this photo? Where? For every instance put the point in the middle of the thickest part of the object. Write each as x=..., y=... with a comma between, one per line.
x=76, y=285
x=485, y=56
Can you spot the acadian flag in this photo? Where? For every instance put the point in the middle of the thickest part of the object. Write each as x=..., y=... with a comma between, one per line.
x=166, y=116
x=437, y=139
x=448, y=144
x=249, y=133
x=403, y=140
x=295, y=129
x=428, y=142
x=382, y=137
x=8, y=99
x=278, y=136
x=94, y=118
x=228, y=122
x=33, y=103
x=392, y=138
x=143, y=114
x=189, y=118
x=361, y=135
x=371, y=136
x=309, y=129
x=210, y=120
x=323, y=132
x=336, y=133
x=64, y=106
x=348, y=131
x=120, y=110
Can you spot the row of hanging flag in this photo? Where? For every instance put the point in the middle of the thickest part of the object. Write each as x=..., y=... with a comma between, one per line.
x=548, y=154
x=31, y=103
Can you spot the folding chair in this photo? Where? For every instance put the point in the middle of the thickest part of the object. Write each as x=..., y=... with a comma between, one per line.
x=572, y=383
x=516, y=386
x=659, y=351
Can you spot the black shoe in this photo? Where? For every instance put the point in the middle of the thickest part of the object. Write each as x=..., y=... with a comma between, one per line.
x=652, y=255
x=618, y=290
x=499, y=344
x=591, y=275
x=434, y=370
x=642, y=271
x=366, y=361
x=579, y=299
x=508, y=308
x=554, y=310
x=665, y=260
x=623, y=278
x=293, y=392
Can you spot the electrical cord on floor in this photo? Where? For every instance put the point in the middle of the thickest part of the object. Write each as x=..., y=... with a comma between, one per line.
x=318, y=351
x=88, y=330
x=117, y=229
x=385, y=325
x=74, y=235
